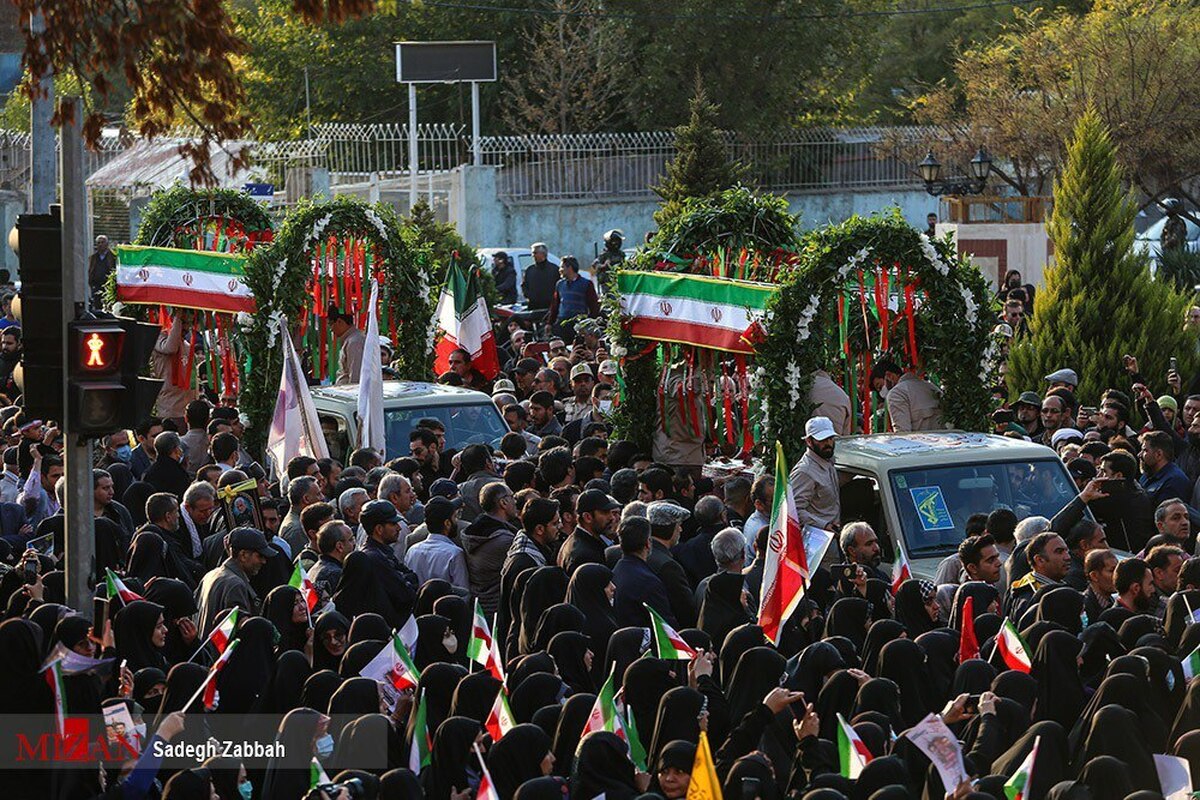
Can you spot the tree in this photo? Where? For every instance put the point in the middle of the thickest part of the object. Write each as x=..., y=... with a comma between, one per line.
x=1099, y=301
x=701, y=167
x=572, y=75
x=445, y=246
x=1134, y=61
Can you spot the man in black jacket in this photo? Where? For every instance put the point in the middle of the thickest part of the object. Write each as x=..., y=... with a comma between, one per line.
x=167, y=473
x=666, y=522
x=695, y=555
x=1127, y=515
x=381, y=521
x=539, y=279
x=596, y=518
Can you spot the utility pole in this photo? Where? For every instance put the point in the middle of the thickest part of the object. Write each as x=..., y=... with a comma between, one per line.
x=80, y=536
x=307, y=105
x=41, y=156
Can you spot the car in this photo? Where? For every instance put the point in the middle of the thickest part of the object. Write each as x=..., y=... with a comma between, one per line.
x=1149, y=241
x=470, y=417
x=522, y=257
x=917, y=490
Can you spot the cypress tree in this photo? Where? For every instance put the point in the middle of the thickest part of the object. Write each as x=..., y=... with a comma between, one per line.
x=701, y=167
x=1099, y=301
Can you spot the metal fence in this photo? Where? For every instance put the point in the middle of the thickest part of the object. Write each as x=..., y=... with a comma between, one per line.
x=15, y=157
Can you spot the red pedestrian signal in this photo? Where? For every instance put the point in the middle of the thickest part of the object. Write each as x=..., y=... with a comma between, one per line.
x=96, y=348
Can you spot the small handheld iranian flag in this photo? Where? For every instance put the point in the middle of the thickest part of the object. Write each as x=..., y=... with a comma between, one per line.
x=900, y=571
x=1017, y=787
x=54, y=677
x=1012, y=648
x=487, y=790
x=852, y=752
x=210, y=684
x=419, y=752
x=393, y=666
x=463, y=323
x=637, y=753
x=500, y=720
x=223, y=633
x=316, y=775
x=669, y=644
x=308, y=589
x=786, y=569
x=115, y=587
x=604, y=716
x=1191, y=665
x=482, y=648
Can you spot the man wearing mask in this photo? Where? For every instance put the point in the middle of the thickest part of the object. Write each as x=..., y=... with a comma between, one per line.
x=116, y=449
x=598, y=412
x=539, y=279
x=814, y=479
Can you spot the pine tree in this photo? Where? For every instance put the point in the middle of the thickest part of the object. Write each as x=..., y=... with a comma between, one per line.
x=701, y=167
x=1099, y=301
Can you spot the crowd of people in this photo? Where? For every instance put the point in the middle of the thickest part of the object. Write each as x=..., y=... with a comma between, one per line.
x=562, y=538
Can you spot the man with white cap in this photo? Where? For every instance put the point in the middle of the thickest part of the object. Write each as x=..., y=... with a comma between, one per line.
x=814, y=479
x=1063, y=377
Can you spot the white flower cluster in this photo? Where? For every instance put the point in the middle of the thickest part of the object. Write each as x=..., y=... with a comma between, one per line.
x=275, y=323
x=377, y=223
x=793, y=378
x=855, y=260
x=618, y=351
x=806, y=317
x=245, y=321
x=969, y=302
x=931, y=255
x=758, y=384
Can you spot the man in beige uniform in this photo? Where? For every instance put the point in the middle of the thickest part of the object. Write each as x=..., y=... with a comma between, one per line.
x=814, y=479
x=350, y=346
x=171, y=351
x=830, y=401
x=913, y=404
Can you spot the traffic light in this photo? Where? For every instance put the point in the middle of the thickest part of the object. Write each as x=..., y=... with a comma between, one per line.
x=105, y=390
x=39, y=308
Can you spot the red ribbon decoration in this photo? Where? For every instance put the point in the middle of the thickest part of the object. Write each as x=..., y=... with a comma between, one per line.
x=744, y=387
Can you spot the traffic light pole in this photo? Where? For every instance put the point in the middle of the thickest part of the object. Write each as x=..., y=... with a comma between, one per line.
x=80, y=537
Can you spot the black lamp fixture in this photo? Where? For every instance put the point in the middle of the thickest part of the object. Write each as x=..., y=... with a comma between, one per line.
x=931, y=169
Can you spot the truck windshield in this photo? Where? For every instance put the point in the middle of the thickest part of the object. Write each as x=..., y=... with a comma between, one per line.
x=935, y=503
x=478, y=423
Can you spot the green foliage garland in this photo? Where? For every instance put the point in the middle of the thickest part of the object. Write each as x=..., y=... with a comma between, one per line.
x=279, y=275
x=952, y=331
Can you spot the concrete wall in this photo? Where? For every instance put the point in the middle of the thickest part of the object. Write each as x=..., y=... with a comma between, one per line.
x=576, y=226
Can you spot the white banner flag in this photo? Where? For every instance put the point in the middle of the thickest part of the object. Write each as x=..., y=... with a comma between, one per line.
x=295, y=430
x=370, y=383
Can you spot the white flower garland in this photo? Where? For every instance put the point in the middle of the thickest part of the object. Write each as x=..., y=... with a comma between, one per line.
x=854, y=261
x=969, y=302
x=758, y=382
x=931, y=255
x=806, y=318
x=793, y=379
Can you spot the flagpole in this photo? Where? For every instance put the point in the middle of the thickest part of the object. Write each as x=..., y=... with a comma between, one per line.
x=212, y=674
x=204, y=644
x=1188, y=606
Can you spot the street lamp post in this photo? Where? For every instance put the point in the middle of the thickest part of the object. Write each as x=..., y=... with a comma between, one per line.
x=930, y=169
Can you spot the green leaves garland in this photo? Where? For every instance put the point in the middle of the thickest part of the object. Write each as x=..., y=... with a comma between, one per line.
x=279, y=276
x=953, y=323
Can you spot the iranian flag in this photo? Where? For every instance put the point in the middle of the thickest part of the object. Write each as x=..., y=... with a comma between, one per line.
x=1017, y=786
x=1012, y=648
x=187, y=278
x=500, y=720
x=852, y=752
x=1191, y=665
x=419, y=753
x=210, y=683
x=637, y=753
x=669, y=644
x=486, y=790
x=717, y=313
x=223, y=633
x=968, y=643
x=393, y=665
x=786, y=570
x=463, y=322
x=316, y=775
x=308, y=589
x=115, y=587
x=605, y=715
x=900, y=571
x=54, y=677
x=482, y=648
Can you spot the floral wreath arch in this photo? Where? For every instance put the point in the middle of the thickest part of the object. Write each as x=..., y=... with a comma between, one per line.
x=889, y=291
x=325, y=254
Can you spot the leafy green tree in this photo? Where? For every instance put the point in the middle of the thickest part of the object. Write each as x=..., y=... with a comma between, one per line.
x=701, y=167
x=1099, y=301
x=444, y=242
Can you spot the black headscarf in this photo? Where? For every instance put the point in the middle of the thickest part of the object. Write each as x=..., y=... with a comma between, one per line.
x=849, y=617
x=755, y=766
x=355, y=697
x=368, y=626
x=1060, y=690
x=327, y=621
x=721, y=608
x=455, y=609
x=836, y=697
x=399, y=783
x=1187, y=747
x=678, y=718
x=278, y=607
x=1107, y=778
x=982, y=596
x=71, y=630
x=133, y=628
x=738, y=641
x=603, y=768
x=358, y=592
x=134, y=499
x=291, y=672
x=1052, y=758
x=245, y=681
x=1109, y=734
x=546, y=587
x=910, y=607
x=556, y=619
x=359, y=742
x=436, y=685
x=568, y=649
x=432, y=630
x=758, y=671
x=147, y=556
x=881, y=696
x=574, y=715
x=1179, y=616
x=522, y=667
x=183, y=681
x=1063, y=605
x=624, y=647
x=517, y=758
x=546, y=718
x=46, y=617
x=474, y=696
x=25, y=689
x=646, y=681
x=358, y=655
x=1128, y=691
x=941, y=653
x=1135, y=628
x=973, y=676
x=586, y=592
x=178, y=602
x=319, y=689
x=880, y=633
x=287, y=776
x=451, y=755
x=431, y=591
x=903, y=662
x=537, y=691
x=549, y=787
x=189, y=784
x=145, y=680
x=1100, y=646
x=809, y=668
x=880, y=772
x=1167, y=684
